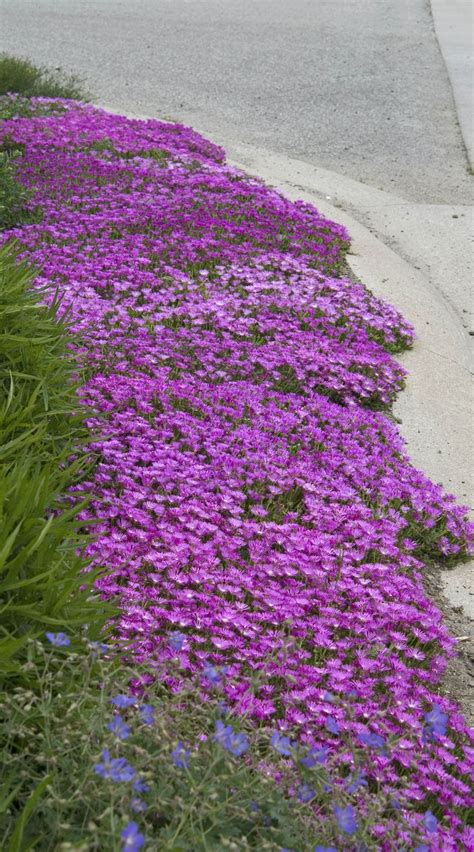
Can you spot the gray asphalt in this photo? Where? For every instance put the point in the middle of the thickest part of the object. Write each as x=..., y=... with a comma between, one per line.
x=355, y=86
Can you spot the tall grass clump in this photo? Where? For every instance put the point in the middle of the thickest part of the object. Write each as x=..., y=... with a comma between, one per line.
x=41, y=432
x=23, y=77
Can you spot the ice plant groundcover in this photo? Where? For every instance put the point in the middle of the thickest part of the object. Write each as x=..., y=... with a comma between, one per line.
x=254, y=496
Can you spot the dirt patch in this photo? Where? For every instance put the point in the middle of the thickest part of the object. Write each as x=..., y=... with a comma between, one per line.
x=458, y=682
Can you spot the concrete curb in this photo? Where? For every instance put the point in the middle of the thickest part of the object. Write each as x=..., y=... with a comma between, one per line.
x=453, y=22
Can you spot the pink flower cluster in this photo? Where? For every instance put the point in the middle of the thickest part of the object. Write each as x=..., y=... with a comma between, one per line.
x=252, y=491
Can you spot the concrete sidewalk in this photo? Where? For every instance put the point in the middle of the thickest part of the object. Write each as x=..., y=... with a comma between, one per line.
x=453, y=20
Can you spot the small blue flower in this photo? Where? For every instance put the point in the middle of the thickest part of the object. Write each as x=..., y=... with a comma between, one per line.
x=281, y=744
x=98, y=647
x=253, y=806
x=141, y=786
x=430, y=821
x=371, y=740
x=212, y=674
x=131, y=837
x=180, y=756
x=118, y=727
x=325, y=849
x=422, y=848
x=346, y=820
x=138, y=805
x=122, y=701
x=314, y=756
x=234, y=742
x=436, y=722
x=176, y=640
x=305, y=793
x=329, y=696
x=61, y=640
x=332, y=726
x=117, y=768
x=356, y=783
x=146, y=714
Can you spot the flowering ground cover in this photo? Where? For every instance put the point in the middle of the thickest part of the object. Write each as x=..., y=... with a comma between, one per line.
x=254, y=497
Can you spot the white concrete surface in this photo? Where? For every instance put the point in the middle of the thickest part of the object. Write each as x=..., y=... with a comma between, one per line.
x=453, y=21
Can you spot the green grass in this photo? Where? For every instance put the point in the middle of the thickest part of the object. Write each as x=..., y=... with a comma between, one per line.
x=22, y=77
x=41, y=434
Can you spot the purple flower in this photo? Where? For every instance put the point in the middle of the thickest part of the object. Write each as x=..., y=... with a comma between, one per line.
x=122, y=701
x=346, y=819
x=147, y=714
x=180, y=756
x=282, y=744
x=118, y=727
x=131, y=837
x=138, y=805
x=117, y=768
x=61, y=640
x=325, y=849
x=430, y=822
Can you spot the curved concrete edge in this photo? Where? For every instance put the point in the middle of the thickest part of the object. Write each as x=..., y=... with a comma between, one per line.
x=436, y=408
x=453, y=23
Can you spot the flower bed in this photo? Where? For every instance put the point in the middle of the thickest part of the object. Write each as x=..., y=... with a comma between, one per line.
x=252, y=491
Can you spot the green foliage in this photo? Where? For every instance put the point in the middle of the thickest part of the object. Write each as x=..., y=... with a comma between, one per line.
x=41, y=432
x=13, y=197
x=57, y=793
x=22, y=77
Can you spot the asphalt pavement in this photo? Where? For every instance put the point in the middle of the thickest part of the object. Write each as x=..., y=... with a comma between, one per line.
x=355, y=86
x=363, y=107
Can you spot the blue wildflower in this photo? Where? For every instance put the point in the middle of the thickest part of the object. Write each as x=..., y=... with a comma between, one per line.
x=146, y=714
x=356, y=783
x=281, y=744
x=98, y=647
x=332, y=725
x=131, y=837
x=61, y=640
x=212, y=674
x=122, y=701
x=314, y=756
x=229, y=739
x=329, y=696
x=371, y=740
x=118, y=727
x=140, y=786
x=180, y=756
x=436, y=722
x=325, y=849
x=430, y=822
x=138, y=805
x=422, y=848
x=305, y=793
x=117, y=768
x=346, y=820
x=176, y=640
